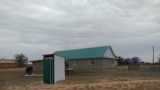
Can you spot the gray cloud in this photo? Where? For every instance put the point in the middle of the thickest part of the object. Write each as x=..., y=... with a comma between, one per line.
x=35, y=27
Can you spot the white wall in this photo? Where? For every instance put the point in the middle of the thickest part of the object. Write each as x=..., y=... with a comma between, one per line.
x=59, y=65
x=109, y=54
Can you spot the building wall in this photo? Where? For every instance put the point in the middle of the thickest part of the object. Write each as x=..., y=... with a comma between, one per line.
x=8, y=65
x=37, y=67
x=109, y=63
x=109, y=54
x=99, y=63
x=37, y=62
x=59, y=68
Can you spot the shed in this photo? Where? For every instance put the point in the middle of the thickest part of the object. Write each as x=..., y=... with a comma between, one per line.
x=53, y=66
x=37, y=66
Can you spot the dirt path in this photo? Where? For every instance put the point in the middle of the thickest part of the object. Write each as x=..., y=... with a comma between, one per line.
x=115, y=85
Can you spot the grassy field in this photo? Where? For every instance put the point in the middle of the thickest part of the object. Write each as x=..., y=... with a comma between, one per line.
x=14, y=79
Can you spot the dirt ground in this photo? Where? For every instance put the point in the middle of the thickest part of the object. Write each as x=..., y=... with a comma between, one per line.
x=84, y=80
x=116, y=85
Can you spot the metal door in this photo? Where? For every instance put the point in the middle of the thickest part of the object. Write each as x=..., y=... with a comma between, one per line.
x=48, y=67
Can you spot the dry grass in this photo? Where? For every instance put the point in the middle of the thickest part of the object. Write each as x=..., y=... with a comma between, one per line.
x=15, y=77
x=85, y=80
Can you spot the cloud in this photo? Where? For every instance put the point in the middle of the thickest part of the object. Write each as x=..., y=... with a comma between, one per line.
x=35, y=27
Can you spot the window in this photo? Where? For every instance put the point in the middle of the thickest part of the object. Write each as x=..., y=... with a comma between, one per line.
x=75, y=62
x=6, y=65
x=91, y=62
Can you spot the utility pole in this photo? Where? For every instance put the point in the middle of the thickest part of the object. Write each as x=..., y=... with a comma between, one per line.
x=153, y=54
x=159, y=58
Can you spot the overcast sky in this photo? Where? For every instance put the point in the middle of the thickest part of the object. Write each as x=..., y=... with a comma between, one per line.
x=37, y=27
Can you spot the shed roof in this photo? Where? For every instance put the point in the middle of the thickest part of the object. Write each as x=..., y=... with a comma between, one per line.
x=36, y=60
x=95, y=52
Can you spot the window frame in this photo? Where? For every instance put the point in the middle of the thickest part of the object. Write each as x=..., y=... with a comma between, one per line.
x=91, y=62
x=74, y=62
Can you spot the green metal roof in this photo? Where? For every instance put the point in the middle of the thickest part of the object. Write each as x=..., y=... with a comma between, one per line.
x=95, y=52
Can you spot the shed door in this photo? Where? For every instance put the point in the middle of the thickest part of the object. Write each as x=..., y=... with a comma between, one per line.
x=48, y=70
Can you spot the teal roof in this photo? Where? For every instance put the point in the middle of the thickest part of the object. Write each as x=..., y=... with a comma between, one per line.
x=95, y=52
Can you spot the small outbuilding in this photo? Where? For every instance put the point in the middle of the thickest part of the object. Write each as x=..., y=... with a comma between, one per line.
x=37, y=66
x=54, y=68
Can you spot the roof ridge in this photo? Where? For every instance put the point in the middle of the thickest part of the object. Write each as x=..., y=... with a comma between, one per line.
x=83, y=48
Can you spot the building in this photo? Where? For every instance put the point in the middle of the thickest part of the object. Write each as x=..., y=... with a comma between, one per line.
x=8, y=63
x=86, y=58
x=37, y=66
x=89, y=58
